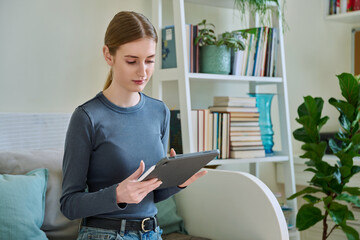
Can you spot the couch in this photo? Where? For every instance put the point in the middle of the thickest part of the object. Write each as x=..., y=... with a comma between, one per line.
x=221, y=205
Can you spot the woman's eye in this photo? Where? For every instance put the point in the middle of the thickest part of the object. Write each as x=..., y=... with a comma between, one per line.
x=150, y=61
x=131, y=62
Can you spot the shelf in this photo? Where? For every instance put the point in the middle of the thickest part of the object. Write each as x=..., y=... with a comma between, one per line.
x=204, y=76
x=349, y=17
x=222, y=3
x=273, y=158
x=171, y=73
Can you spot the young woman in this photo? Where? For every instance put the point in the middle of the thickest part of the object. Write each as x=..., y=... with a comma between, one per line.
x=113, y=136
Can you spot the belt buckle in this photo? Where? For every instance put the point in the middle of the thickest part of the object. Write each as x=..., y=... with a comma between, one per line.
x=143, y=225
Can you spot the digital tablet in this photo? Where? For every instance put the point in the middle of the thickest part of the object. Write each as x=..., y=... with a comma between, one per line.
x=174, y=171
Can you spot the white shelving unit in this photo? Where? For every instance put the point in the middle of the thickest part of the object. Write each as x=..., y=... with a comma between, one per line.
x=183, y=77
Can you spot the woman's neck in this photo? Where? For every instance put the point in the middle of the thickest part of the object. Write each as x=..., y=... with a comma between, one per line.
x=122, y=98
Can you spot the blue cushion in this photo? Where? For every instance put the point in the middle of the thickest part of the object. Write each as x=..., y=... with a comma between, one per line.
x=22, y=205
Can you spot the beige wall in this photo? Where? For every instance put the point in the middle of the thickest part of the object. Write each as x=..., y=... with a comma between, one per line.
x=51, y=57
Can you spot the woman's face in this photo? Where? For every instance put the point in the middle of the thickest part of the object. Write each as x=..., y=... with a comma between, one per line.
x=133, y=64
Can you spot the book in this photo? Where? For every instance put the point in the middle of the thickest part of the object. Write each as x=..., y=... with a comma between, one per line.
x=244, y=119
x=168, y=49
x=259, y=50
x=268, y=52
x=244, y=128
x=245, y=138
x=175, y=140
x=245, y=114
x=245, y=143
x=245, y=133
x=247, y=153
x=240, y=148
x=356, y=6
x=233, y=109
x=194, y=121
x=225, y=136
x=243, y=124
x=223, y=101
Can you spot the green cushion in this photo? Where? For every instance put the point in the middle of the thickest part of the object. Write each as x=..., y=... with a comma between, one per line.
x=168, y=219
x=22, y=205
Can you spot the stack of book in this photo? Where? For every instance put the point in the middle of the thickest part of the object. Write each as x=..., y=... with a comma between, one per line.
x=242, y=138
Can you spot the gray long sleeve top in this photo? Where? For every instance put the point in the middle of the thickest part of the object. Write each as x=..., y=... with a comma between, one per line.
x=104, y=145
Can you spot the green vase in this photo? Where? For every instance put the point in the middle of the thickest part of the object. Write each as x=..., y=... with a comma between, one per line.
x=215, y=59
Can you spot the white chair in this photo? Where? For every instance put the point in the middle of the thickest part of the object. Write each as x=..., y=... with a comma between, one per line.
x=231, y=205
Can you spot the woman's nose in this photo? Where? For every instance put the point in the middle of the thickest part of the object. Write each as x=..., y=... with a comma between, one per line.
x=142, y=71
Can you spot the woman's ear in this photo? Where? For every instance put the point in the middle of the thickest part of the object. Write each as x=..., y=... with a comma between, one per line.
x=107, y=56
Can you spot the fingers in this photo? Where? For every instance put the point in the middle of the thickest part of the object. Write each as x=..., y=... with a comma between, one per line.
x=201, y=174
x=172, y=152
x=151, y=187
x=138, y=171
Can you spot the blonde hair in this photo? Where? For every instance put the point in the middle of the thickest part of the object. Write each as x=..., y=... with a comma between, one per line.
x=126, y=27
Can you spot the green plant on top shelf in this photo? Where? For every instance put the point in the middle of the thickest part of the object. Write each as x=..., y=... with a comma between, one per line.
x=328, y=186
x=207, y=36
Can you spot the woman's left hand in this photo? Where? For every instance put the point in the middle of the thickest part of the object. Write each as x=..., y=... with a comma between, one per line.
x=191, y=179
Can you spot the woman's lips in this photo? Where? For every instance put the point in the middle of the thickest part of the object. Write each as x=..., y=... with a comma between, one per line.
x=139, y=82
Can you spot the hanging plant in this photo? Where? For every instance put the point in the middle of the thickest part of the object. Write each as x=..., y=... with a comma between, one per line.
x=261, y=7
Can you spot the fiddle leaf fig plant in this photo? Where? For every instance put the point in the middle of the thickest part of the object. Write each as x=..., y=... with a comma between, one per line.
x=328, y=196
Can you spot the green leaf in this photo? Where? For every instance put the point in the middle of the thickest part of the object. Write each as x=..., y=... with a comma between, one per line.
x=311, y=199
x=338, y=212
x=307, y=216
x=333, y=146
x=345, y=122
x=322, y=122
x=327, y=200
x=301, y=135
x=310, y=128
x=334, y=186
x=310, y=170
x=324, y=168
x=345, y=171
x=355, y=169
x=352, y=190
x=343, y=107
x=350, y=232
x=337, y=176
x=305, y=190
x=350, y=199
x=311, y=107
x=349, y=88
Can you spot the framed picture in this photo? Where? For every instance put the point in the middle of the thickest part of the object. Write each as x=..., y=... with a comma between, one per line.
x=355, y=51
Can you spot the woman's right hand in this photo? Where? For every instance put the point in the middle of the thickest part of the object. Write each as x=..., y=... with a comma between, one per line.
x=132, y=191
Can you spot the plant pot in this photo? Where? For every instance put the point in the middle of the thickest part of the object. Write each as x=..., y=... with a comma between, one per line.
x=215, y=59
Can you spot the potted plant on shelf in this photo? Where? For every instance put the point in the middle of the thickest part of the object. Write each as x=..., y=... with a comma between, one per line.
x=328, y=187
x=215, y=54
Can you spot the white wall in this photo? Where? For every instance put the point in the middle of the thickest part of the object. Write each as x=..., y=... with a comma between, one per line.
x=51, y=58
x=51, y=51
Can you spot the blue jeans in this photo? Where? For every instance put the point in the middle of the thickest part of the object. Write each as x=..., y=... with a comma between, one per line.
x=100, y=234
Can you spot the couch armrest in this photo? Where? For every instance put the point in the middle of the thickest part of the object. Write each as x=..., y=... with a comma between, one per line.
x=231, y=205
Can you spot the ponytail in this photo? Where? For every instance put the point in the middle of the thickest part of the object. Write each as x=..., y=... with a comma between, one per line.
x=108, y=80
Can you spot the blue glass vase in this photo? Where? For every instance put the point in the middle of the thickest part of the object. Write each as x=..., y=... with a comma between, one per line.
x=263, y=102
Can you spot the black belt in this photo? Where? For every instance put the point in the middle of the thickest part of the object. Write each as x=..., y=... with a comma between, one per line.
x=145, y=225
